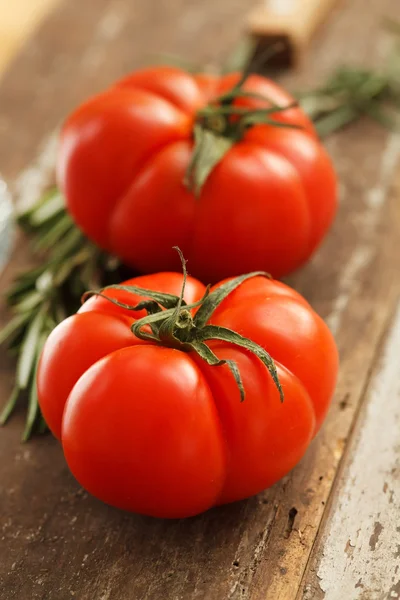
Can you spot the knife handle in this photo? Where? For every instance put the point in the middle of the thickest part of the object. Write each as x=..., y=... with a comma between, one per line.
x=291, y=23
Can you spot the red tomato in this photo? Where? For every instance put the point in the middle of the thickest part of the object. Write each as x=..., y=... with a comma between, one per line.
x=123, y=158
x=156, y=430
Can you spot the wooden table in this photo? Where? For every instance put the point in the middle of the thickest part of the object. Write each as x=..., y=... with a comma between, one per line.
x=17, y=20
x=331, y=529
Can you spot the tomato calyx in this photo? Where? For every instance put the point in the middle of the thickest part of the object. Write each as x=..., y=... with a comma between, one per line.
x=171, y=323
x=221, y=124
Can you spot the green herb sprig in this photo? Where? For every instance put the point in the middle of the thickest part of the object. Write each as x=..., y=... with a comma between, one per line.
x=43, y=296
x=353, y=93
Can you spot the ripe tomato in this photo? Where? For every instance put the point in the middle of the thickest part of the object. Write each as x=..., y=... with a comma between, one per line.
x=269, y=194
x=155, y=429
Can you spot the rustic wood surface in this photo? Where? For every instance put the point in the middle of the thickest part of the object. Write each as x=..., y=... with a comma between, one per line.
x=331, y=529
x=18, y=19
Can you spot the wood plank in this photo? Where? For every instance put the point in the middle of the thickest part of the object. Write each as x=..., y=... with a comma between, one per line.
x=57, y=542
x=19, y=19
x=358, y=553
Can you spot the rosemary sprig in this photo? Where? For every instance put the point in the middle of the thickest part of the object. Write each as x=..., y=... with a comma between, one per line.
x=352, y=93
x=42, y=297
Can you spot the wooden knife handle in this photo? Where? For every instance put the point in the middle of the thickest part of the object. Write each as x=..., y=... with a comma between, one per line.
x=292, y=22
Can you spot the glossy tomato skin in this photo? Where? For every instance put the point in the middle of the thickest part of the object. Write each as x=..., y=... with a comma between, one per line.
x=122, y=162
x=278, y=315
x=81, y=340
x=265, y=438
x=153, y=432
x=156, y=430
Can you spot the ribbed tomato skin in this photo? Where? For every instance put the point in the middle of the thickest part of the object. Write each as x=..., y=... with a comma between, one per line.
x=122, y=161
x=156, y=430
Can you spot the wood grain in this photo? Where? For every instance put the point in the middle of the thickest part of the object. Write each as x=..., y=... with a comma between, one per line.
x=57, y=542
x=358, y=552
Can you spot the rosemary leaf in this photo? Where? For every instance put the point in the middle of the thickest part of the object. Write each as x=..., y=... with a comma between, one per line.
x=13, y=326
x=33, y=404
x=328, y=123
x=31, y=300
x=28, y=350
x=47, y=210
x=9, y=406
